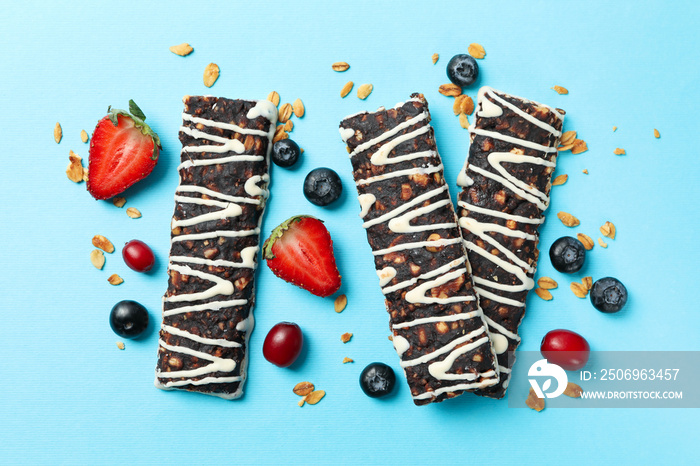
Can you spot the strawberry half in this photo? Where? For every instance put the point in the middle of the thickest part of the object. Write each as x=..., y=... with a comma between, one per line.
x=123, y=150
x=300, y=251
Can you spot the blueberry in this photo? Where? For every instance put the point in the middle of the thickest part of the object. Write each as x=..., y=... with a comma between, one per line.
x=567, y=254
x=463, y=70
x=285, y=153
x=128, y=319
x=608, y=295
x=322, y=186
x=377, y=380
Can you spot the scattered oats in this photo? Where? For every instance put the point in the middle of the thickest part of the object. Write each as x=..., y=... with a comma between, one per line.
x=285, y=113
x=568, y=219
x=75, y=167
x=463, y=121
x=533, y=402
x=119, y=201
x=84, y=136
x=183, y=49
x=340, y=303
x=457, y=105
x=57, y=133
x=301, y=402
x=586, y=241
x=602, y=243
x=559, y=180
x=340, y=66
x=450, y=90
x=391, y=337
x=476, y=51
x=115, y=279
x=301, y=150
x=560, y=90
x=280, y=136
x=567, y=141
x=568, y=137
x=345, y=337
x=103, y=243
x=211, y=74
x=579, y=146
x=315, y=396
x=364, y=91
x=614, y=128
x=97, y=258
x=85, y=174
x=579, y=290
x=657, y=135
x=303, y=388
x=347, y=360
x=133, y=212
x=280, y=133
x=288, y=126
x=608, y=229
x=436, y=57
x=619, y=151
x=298, y=107
x=346, y=89
x=573, y=390
x=120, y=345
x=544, y=294
x=585, y=171
x=547, y=283
x=274, y=97
x=587, y=282
x=467, y=106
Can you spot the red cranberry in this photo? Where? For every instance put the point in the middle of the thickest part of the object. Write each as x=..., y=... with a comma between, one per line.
x=283, y=344
x=138, y=256
x=566, y=349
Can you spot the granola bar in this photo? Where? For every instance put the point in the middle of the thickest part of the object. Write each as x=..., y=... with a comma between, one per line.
x=505, y=190
x=437, y=326
x=219, y=204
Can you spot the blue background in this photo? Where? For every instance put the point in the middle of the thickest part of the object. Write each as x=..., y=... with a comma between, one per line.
x=68, y=395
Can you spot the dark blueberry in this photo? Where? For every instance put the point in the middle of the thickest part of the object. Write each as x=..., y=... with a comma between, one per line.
x=285, y=153
x=128, y=319
x=608, y=295
x=567, y=254
x=322, y=186
x=377, y=380
x=463, y=70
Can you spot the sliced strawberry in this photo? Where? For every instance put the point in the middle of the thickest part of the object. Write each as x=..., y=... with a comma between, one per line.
x=300, y=251
x=123, y=150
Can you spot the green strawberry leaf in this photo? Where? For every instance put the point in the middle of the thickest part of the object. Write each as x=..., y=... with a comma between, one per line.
x=136, y=111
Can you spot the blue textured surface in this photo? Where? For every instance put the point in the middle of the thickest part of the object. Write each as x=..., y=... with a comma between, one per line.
x=69, y=396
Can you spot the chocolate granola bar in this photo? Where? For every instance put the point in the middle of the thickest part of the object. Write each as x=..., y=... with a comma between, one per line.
x=438, y=329
x=505, y=190
x=208, y=307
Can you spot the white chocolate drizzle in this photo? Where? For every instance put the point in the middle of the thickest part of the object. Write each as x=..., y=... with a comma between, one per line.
x=401, y=345
x=346, y=133
x=407, y=172
x=389, y=134
x=366, y=201
x=217, y=161
x=263, y=108
x=386, y=275
x=221, y=206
